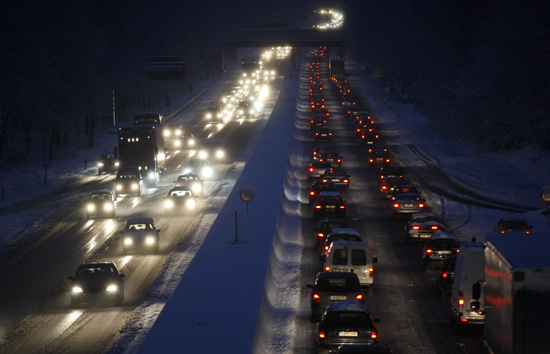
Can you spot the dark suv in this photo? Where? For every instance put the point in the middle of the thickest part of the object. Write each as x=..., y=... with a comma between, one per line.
x=512, y=225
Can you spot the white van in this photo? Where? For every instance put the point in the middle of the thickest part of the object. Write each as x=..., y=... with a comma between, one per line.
x=351, y=256
x=467, y=299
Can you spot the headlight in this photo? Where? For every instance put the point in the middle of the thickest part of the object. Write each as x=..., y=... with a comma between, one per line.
x=203, y=154
x=191, y=142
x=191, y=203
x=207, y=172
x=119, y=187
x=117, y=163
x=112, y=288
x=208, y=115
x=167, y=133
x=135, y=186
x=178, y=132
x=150, y=240
x=108, y=207
x=128, y=241
x=100, y=164
x=77, y=290
x=177, y=143
x=90, y=207
x=168, y=204
x=151, y=175
x=196, y=188
x=220, y=154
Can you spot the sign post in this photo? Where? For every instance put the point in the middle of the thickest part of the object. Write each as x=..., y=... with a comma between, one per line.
x=545, y=196
x=247, y=195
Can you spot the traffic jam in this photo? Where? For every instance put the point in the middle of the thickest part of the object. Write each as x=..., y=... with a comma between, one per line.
x=339, y=294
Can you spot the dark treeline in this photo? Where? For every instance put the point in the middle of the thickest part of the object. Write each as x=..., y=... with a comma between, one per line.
x=479, y=69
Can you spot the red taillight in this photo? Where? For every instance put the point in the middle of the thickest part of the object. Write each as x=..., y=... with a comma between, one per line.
x=339, y=160
x=445, y=275
x=457, y=251
x=463, y=320
x=396, y=205
x=384, y=188
x=346, y=180
x=371, y=160
x=371, y=272
x=316, y=133
x=434, y=227
x=327, y=269
x=342, y=207
x=312, y=193
x=316, y=298
x=421, y=205
x=321, y=334
x=373, y=335
x=330, y=133
x=416, y=227
x=359, y=298
x=388, y=160
x=320, y=234
x=429, y=251
x=325, y=180
x=317, y=207
x=311, y=169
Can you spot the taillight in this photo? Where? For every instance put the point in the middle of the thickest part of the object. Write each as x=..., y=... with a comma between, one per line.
x=342, y=207
x=373, y=335
x=321, y=334
x=327, y=269
x=346, y=180
x=371, y=160
x=311, y=169
x=339, y=160
x=445, y=275
x=371, y=272
x=421, y=205
x=312, y=193
x=359, y=298
x=396, y=205
x=384, y=188
x=316, y=298
x=435, y=227
x=317, y=207
x=416, y=227
x=429, y=251
x=388, y=160
x=320, y=234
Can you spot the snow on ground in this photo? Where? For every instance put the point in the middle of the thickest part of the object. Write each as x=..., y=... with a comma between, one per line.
x=218, y=301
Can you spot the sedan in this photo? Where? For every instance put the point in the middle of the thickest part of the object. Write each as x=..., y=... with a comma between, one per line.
x=323, y=133
x=388, y=185
x=180, y=200
x=332, y=287
x=325, y=227
x=317, y=169
x=332, y=157
x=191, y=181
x=101, y=204
x=379, y=159
x=317, y=187
x=406, y=204
x=107, y=163
x=338, y=176
x=97, y=282
x=440, y=246
x=140, y=234
x=329, y=204
x=422, y=226
x=346, y=322
x=199, y=167
x=512, y=225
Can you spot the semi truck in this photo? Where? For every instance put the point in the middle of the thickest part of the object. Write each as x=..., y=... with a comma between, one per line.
x=336, y=66
x=517, y=289
x=142, y=146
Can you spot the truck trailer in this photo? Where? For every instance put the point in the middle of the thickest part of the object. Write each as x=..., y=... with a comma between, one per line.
x=517, y=278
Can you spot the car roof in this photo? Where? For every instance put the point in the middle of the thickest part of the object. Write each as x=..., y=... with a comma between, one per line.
x=345, y=230
x=321, y=275
x=350, y=243
x=180, y=188
x=140, y=221
x=443, y=235
x=348, y=305
x=330, y=194
x=91, y=264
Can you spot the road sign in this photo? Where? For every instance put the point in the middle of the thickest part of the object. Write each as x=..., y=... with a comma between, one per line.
x=247, y=194
x=545, y=194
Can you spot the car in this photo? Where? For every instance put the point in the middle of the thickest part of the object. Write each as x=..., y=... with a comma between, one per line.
x=379, y=159
x=191, y=181
x=362, y=115
x=368, y=137
x=346, y=322
x=338, y=176
x=248, y=109
x=212, y=149
x=317, y=187
x=107, y=163
x=325, y=227
x=319, y=149
x=140, y=234
x=388, y=185
x=97, y=282
x=317, y=120
x=180, y=200
x=172, y=132
x=445, y=277
x=404, y=189
x=185, y=141
x=405, y=204
x=333, y=157
x=377, y=146
x=421, y=226
x=329, y=204
x=512, y=225
x=340, y=233
x=199, y=167
x=214, y=115
x=390, y=171
x=438, y=247
x=350, y=256
x=323, y=133
x=332, y=287
x=317, y=169
x=101, y=204
x=128, y=181
x=363, y=125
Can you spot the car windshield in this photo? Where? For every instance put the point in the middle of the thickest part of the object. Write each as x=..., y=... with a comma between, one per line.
x=127, y=176
x=330, y=200
x=180, y=194
x=139, y=227
x=348, y=318
x=443, y=244
x=95, y=271
x=333, y=225
x=515, y=224
x=344, y=284
x=100, y=196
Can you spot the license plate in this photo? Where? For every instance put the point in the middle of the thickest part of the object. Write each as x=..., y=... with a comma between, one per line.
x=408, y=205
x=336, y=180
x=474, y=314
x=345, y=270
x=444, y=252
x=338, y=297
x=347, y=334
x=330, y=207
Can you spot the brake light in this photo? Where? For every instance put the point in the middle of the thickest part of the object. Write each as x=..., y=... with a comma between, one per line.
x=373, y=335
x=320, y=234
x=321, y=334
x=371, y=160
x=396, y=205
x=317, y=207
x=371, y=271
x=327, y=269
x=359, y=298
x=445, y=275
x=339, y=160
x=342, y=207
x=316, y=298
x=388, y=160
x=416, y=227
x=312, y=193
x=325, y=180
x=463, y=320
x=435, y=227
x=429, y=251
x=421, y=205
x=346, y=180
x=384, y=187
x=311, y=169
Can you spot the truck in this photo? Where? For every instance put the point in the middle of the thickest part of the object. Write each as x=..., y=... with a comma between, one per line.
x=517, y=289
x=142, y=146
x=467, y=301
x=336, y=66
